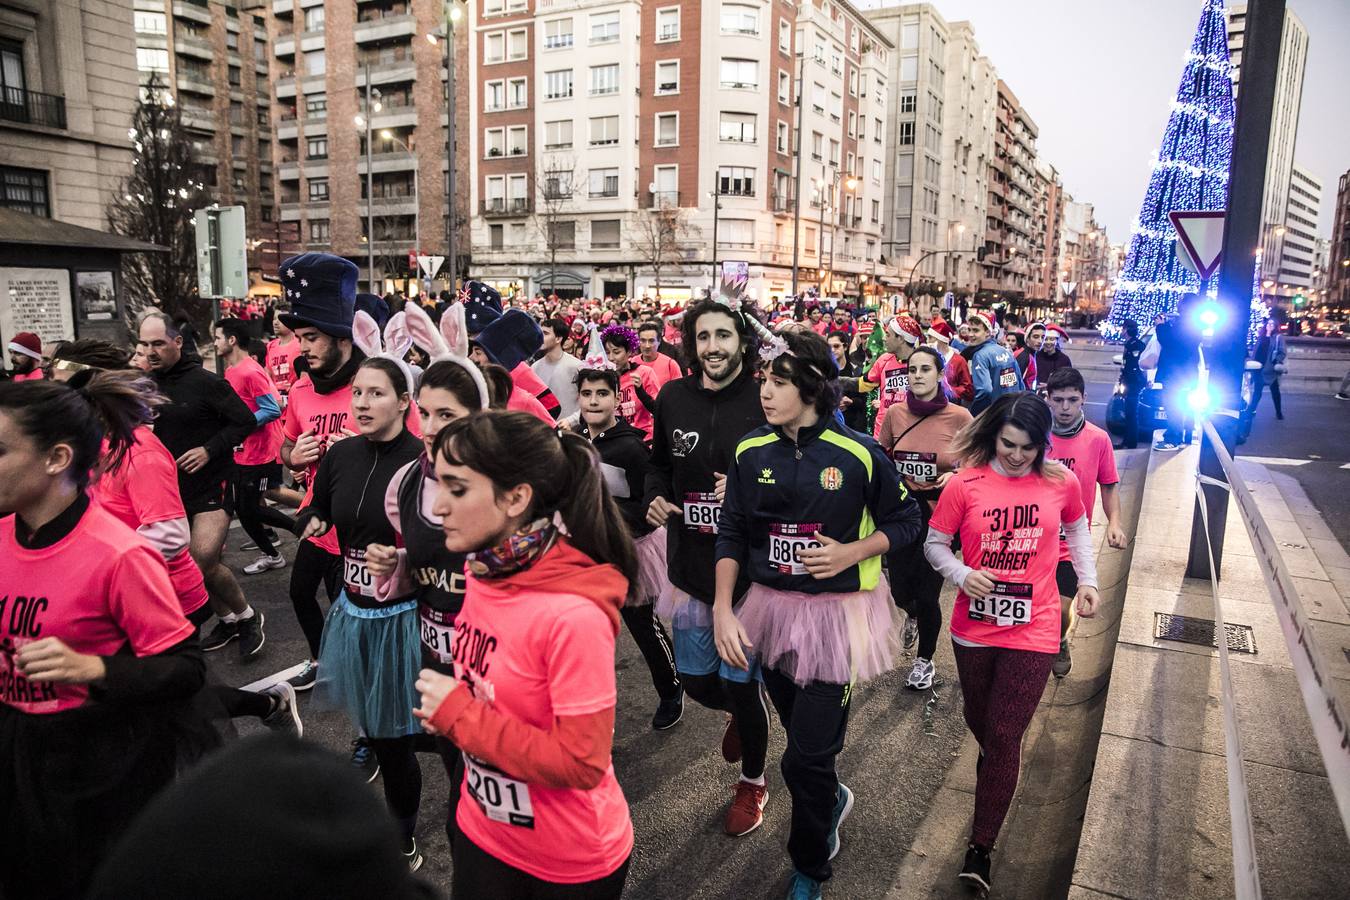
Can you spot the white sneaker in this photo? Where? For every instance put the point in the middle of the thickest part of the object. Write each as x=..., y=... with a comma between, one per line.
x=264, y=564
x=286, y=716
x=921, y=675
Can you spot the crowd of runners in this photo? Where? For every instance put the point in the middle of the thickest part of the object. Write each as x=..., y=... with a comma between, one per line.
x=483, y=496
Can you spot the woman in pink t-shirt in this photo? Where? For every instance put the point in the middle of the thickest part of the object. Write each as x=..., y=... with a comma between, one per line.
x=1007, y=502
x=532, y=700
x=97, y=663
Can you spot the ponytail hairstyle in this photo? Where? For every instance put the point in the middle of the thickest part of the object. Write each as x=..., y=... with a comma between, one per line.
x=974, y=444
x=499, y=385
x=93, y=354
x=514, y=448
x=81, y=413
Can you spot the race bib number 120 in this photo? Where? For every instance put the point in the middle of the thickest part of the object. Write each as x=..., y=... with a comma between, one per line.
x=356, y=576
x=500, y=797
x=786, y=543
x=1008, y=604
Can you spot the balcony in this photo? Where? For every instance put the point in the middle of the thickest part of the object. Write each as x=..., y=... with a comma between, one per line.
x=32, y=108
x=398, y=161
x=500, y=206
x=199, y=117
x=386, y=68
x=385, y=28
x=285, y=85
x=193, y=45
x=392, y=206
x=283, y=7
x=604, y=194
x=660, y=199
x=195, y=83
x=284, y=46
x=193, y=11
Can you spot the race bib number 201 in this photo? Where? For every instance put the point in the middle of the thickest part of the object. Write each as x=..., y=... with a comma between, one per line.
x=500, y=797
x=1008, y=604
x=786, y=543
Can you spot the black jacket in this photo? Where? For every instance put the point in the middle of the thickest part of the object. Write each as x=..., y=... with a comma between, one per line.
x=203, y=411
x=625, y=448
x=695, y=436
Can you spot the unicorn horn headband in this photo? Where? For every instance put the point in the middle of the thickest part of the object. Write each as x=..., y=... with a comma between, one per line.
x=393, y=345
x=450, y=343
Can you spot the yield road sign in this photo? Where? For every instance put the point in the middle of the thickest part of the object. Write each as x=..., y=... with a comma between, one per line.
x=1201, y=234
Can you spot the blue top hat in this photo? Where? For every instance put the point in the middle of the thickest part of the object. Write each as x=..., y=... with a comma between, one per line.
x=511, y=339
x=482, y=305
x=321, y=289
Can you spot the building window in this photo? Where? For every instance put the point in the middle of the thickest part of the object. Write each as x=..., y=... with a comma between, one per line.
x=494, y=47
x=817, y=146
x=738, y=181
x=668, y=77
x=904, y=168
x=232, y=41
x=492, y=7
x=668, y=24
x=852, y=124
x=316, y=63
x=563, y=235
x=604, y=183
x=517, y=43
x=494, y=141
x=148, y=59
x=876, y=209
x=739, y=127
x=233, y=75
x=314, y=18
x=604, y=79
x=494, y=96
x=151, y=23
x=782, y=143
x=738, y=19
x=668, y=130
x=496, y=237
x=836, y=107
x=904, y=134
x=737, y=233
x=876, y=170
x=558, y=84
x=909, y=68
x=909, y=37
x=740, y=73
x=667, y=180
x=318, y=231
x=907, y=103
x=558, y=134
x=784, y=35
x=784, y=88
x=605, y=28
x=517, y=93
x=604, y=131
x=25, y=190
x=517, y=141
x=834, y=153
x=316, y=106
x=318, y=190
x=836, y=60
x=605, y=234
x=316, y=148
x=557, y=34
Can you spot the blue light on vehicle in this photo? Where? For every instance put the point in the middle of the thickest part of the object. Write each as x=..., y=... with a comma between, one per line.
x=1209, y=315
x=1200, y=400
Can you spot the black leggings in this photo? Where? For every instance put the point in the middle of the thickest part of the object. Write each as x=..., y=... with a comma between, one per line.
x=479, y=874
x=313, y=566
x=915, y=587
x=650, y=636
x=745, y=702
x=254, y=514
x=402, y=778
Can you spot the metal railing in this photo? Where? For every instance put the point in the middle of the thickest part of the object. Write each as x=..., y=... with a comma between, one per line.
x=32, y=107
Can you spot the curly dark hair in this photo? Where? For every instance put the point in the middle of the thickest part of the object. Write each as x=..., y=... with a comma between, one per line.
x=620, y=336
x=689, y=330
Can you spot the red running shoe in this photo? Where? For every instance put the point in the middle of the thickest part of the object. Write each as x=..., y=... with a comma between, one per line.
x=746, y=812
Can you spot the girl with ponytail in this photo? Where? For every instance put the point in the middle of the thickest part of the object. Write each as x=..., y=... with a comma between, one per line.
x=97, y=663
x=532, y=696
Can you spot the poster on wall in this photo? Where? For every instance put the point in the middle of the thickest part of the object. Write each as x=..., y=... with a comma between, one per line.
x=95, y=297
x=735, y=277
x=36, y=300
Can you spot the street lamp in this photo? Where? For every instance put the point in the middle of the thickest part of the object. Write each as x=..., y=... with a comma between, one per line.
x=372, y=105
x=387, y=135
x=453, y=13
x=716, y=195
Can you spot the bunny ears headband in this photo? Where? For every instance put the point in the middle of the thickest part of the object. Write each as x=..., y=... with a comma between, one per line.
x=450, y=343
x=392, y=345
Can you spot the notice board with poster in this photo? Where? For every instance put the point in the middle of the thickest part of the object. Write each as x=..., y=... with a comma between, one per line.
x=96, y=296
x=36, y=300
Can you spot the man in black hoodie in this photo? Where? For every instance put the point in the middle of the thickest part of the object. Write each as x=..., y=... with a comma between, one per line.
x=201, y=425
x=699, y=419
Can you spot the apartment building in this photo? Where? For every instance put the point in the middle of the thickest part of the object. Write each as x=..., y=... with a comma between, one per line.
x=1085, y=269
x=1298, y=244
x=606, y=136
x=213, y=56
x=1338, y=261
x=1283, y=129
x=1012, y=245
x=69, y=89
x=338, y=68
x=968, y=136
x=1050, y=203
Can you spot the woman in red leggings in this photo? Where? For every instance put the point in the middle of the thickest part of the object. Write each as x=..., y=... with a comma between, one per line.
x=1009, y=504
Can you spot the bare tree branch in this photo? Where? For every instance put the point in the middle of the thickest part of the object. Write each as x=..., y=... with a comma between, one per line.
x=662, y=235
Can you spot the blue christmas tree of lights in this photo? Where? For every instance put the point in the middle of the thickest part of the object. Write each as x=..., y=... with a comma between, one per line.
x=1257, y=311
x=1190, y=172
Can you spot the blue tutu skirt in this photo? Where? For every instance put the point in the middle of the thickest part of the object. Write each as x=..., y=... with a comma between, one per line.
x=368, y=664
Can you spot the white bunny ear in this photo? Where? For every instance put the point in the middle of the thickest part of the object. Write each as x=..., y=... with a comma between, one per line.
x=366, y=334
x=397, y=341
x=455, y=329
x=422, y=332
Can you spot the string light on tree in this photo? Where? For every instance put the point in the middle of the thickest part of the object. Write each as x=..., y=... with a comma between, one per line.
x=1190, y=172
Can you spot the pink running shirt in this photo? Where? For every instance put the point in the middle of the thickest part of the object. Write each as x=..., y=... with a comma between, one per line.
x=1089, y=455
x=250, y=381
x=893, y=377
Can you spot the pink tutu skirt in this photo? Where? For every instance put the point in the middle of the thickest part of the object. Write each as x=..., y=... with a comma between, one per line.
x=834, y=638
x=653, y=577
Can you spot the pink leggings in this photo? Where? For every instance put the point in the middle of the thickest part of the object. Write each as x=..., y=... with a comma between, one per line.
x=1001, y=689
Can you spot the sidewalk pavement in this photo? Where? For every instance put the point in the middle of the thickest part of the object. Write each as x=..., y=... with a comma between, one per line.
x=1157, y=821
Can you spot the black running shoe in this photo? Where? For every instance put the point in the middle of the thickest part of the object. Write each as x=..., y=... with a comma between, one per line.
x=975, y=873
x=364, y=761
x=251, y=637
x=305, y=679
x=218, y=637
x=669, y=712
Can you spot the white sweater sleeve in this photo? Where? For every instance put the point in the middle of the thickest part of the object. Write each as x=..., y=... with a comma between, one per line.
x=1079, y=539
x=937, y=547
x=170, y=537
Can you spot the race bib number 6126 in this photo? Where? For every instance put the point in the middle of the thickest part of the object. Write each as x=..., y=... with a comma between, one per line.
x=1008, y=604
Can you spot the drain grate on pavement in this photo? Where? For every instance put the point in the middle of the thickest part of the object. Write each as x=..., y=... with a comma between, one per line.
x=1194, y=630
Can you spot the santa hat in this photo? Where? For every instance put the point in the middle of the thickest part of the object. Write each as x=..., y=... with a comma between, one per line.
x=27, y=344
x=986, y=319
x=904, y=326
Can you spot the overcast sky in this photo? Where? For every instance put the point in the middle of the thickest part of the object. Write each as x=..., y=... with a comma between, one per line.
x=1098, y=77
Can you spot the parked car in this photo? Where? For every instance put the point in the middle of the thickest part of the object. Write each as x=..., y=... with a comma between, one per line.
x=1153, y=413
